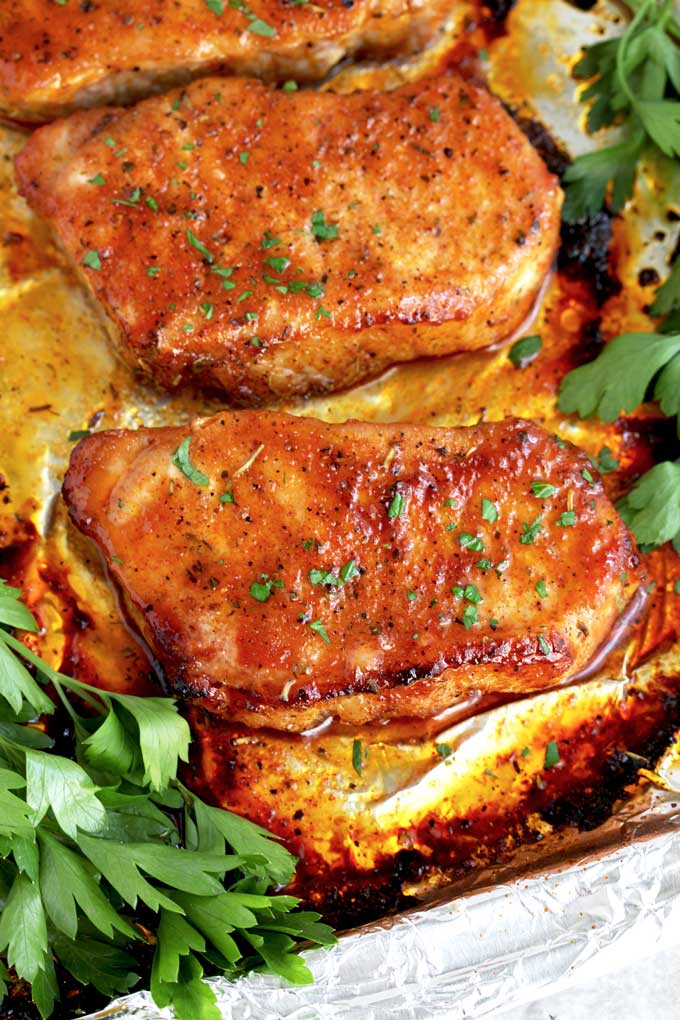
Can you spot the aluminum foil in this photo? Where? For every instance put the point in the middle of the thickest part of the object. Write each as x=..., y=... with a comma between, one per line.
x=561, y=909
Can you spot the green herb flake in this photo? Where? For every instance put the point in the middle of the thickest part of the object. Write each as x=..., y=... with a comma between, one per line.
x=411, y=595
x=472, y=542
x=434, y=114
x=531, y=531
x=290, y=86
x=181, y=460
x=544, y=645
x=397, y=506
x=199, y=246
x=485, y=564
x=97, y=179
x=152, y=271
x=489, y=511
x=92, y=259
x=77, y=434
x=567, y=519
x=469, y=616
x=357, y=756
x=321, y=229
x=318, y=628
x=349, y=571
x=543, y=490
x=541, y=589
x=278, y=263
x=552, y=755
x=443, y=750
x=524, y=351
x=227, y=497
x=587, y=477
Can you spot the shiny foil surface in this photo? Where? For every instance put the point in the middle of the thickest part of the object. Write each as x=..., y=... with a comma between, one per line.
x=464, y=855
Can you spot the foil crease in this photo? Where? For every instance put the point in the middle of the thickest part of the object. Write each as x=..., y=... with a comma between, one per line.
x=487, y=951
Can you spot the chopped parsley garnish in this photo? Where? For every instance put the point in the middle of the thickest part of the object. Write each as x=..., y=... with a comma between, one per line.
x=279, y=263
x=269, y=241
x=357, y=756
x=318, y=627
x=227, y=497
x=321, y=311
x=485, y=564
x=77, y=434
x=434, y=114
x=543, y=490
x=606, y=464
x=469, y=616
x=199, y=246
x=552, y=755
x=323, y=577
x=472, y=542
x=523, y=351
x=207, y=309
x=97, y=179
x=92, y=259
x=411, y=595
x=541, y=589
x=472, y=594
x=321, y=229
x=567, y=519
x=443, y=750
x=377, y=228
x=587, y=477
x=489, y=511
x=260, y=27
x=530, y=531
x=243, y=157
x=676, y=586
x=181, y=460
x=290, y=86
x=397, y=506
x=261, y=590
x=544, y=644
x=349, y=571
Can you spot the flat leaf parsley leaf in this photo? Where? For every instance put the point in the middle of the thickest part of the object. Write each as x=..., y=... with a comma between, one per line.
x=109, y=849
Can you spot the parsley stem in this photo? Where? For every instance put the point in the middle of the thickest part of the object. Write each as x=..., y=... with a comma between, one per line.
x=91, y=695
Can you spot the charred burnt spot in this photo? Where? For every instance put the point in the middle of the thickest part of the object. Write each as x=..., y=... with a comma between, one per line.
x=584, y=245
x=350, y=902
x=584, y=254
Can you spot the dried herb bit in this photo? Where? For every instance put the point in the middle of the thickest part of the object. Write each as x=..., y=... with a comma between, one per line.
x=106, y=847
x=359, y=755
x=261, y=590
x=489, y=511
x=523, y=352
x=76, y=434
x=552, y=755
x=531, y=531
x=443, y=750
x=181, y=460
x=322, y=230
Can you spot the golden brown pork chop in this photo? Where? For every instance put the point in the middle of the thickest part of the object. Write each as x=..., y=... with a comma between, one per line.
x=58, y=56
x=271, y=244
x=284, y=570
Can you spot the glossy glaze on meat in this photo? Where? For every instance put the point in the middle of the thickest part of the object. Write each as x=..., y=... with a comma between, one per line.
x=384, y=585
x=56, y=58
x=271, y=244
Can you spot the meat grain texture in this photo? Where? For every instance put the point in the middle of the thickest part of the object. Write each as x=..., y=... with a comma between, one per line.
x=270, y=244
x=359, y=571
x=56, y=58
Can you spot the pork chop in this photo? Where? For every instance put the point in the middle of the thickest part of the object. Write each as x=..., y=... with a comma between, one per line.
x=271, y=244
x=58, y=57
x=284, y=570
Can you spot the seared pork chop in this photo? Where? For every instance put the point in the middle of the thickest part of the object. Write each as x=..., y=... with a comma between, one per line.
x=58, y=57
x=284, y=570
x=271, y=244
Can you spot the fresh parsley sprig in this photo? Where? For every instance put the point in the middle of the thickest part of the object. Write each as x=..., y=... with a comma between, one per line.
x=111, y=849
x=635, y=84
x=630, y=368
